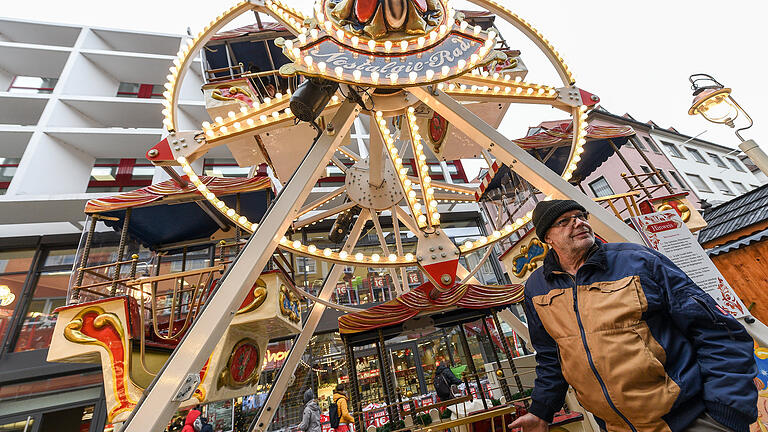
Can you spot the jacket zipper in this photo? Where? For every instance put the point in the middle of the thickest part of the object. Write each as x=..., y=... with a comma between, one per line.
x=589, y=355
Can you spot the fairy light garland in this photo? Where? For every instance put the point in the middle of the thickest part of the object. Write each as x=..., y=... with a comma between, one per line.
x=288, y=15
x=402, y=172
x=433, y=216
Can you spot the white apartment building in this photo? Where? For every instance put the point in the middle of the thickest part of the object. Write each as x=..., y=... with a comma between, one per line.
x=79, y=107
x=718, y=173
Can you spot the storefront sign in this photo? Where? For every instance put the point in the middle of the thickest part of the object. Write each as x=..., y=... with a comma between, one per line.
x=341, y=288
x=413, y=278
x=379, y=282
x=667, y=233
x=274, y=359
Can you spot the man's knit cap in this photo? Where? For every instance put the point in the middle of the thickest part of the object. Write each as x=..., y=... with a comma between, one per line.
x=547, y=212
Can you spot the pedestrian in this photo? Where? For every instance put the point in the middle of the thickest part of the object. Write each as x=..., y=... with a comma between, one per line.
x=342, y=406
x=189, y=422
x=443, y=381
x=310, y=421
x=204, y=425
x=644, y=348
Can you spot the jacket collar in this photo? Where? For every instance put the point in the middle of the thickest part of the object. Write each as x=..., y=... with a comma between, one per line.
x=597, y=258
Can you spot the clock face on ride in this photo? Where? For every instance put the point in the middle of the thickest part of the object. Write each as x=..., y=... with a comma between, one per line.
x=386, y=19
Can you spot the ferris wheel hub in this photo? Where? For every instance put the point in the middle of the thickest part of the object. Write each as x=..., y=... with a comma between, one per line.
x=363, y=193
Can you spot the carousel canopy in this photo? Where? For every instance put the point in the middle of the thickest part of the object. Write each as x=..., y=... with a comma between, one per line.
x=556, y=137
x=166, y=213
x=418, y=302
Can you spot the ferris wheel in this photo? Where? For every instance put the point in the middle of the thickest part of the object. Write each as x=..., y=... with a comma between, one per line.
x=423, y=78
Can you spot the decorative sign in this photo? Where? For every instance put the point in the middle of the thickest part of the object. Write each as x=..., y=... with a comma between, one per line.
x=413, y=278
x=341, y=288
x=667, y=233
x=529, y=256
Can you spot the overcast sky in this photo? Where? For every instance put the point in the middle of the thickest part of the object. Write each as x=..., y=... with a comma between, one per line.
x=636, y=56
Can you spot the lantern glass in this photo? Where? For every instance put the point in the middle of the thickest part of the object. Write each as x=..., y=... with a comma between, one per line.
x=718, y=109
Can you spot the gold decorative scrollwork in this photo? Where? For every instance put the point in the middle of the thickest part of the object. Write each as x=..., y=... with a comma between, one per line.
x=529, y=262
x=259, y=296
x=289, y=304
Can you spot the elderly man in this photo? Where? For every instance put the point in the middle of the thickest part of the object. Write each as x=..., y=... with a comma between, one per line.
x=644, y=348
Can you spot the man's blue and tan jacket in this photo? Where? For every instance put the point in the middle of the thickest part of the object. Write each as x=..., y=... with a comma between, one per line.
x=644, y=348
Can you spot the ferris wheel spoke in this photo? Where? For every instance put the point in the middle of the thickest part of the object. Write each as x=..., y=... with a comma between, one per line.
x=324, y=215
x=322, y=200
x=340, y=165
x=384, y=248
x=471, y=275
x=348, y=153
x=399, y=244
x=291, y=18
x=406, y=219
x=432, y=217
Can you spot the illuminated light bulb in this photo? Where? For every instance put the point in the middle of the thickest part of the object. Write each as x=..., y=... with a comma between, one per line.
x=443, y=29
x=579, y=150
x=327, y=252
x=328, y=26
x=313, y=33
x=388, y=46
x=243, y=109
x=220, y=204
x=482, y=240
x=496, y=89
x=254, y=226
x=409, y=256
x=302, y=38
x=242, y=220
x=427, y=180
x=507, y=228
x=371, y=44
x=236, y=125
x=412, y=194
x=507, y=89
x=572, y=167
x=181, y=160
x=210, y=196
x=321, y=67
x=412, y=76
x=422, y=219
x=451, y=87
x=420, y=41
x=392, y=257
x=210, y=133
x=468, y=244
x=445, y=70
x=496, y=234
x=359, y=256
x=231, y=212
x=422, y=157
x=407, y=183
x=343, y=254
x=356, y=74
x=296, y=53
x=375, y=257
x=463, y=26
x=403, y=171
x=340, y=35
x=519, y=90
x=296, y=244
x=311, y=248
x=393, y=78
x=474, y=58
x=417, y=207
x=275, y=114
x=476, y=30
x=433, y=204
x=263, y=118
x=335, y=99
x=430, y=74
x=518, y=79
x=339, y=71
x=308, y=61
x=355, y=40
x=404, y=45
x=461, y=63
x=567, y=176
x=288, y=45
x=231, y=114
x=541, y=91
x=375, y=77
x=223, y=129
x=432, y=36
x=440, y=86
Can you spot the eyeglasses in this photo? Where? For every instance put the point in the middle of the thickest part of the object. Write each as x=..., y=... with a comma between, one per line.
x=564, y=222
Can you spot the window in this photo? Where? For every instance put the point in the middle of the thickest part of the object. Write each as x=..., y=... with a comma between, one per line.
x=652, y=178
x=696, y=155
x=120, y=175
x=225, y=168
x=721, y=186
x=306, y=265
x=8, y=168
x=652, y=145
x=143, y=91
x=734, y=163
x=664, y=176
x=14, y=267
x=638, y=143
x=719, y=162
x=28, y=84
x=740, y=187
x=699, y=182
x=679, y=181
x=601, y=187
x=672, y=149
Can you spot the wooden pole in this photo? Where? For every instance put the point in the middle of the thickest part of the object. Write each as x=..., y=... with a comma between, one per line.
x=471, y=365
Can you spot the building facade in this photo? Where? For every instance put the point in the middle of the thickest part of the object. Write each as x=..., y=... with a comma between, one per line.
x=717, y=173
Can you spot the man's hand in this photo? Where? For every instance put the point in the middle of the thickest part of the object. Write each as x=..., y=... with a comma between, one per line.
x=530, y=423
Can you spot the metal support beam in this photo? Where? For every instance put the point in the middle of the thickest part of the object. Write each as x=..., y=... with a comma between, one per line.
x=538, y=174
x=158, y=404
x=300, y=344
x=375, y=156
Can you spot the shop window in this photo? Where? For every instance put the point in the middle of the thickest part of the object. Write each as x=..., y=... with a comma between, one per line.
x=142, y=91
x=29, y=84
x=672, y=149
x=699, y=182
x=696, y=155
x=14, y=268
x=719, y=162
x=652, y=145
x=720, y=184
x=601, y=187
x=36, y=330
x=736, y=165
x=306, y=265
x=120, y=175
x=224, y=168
